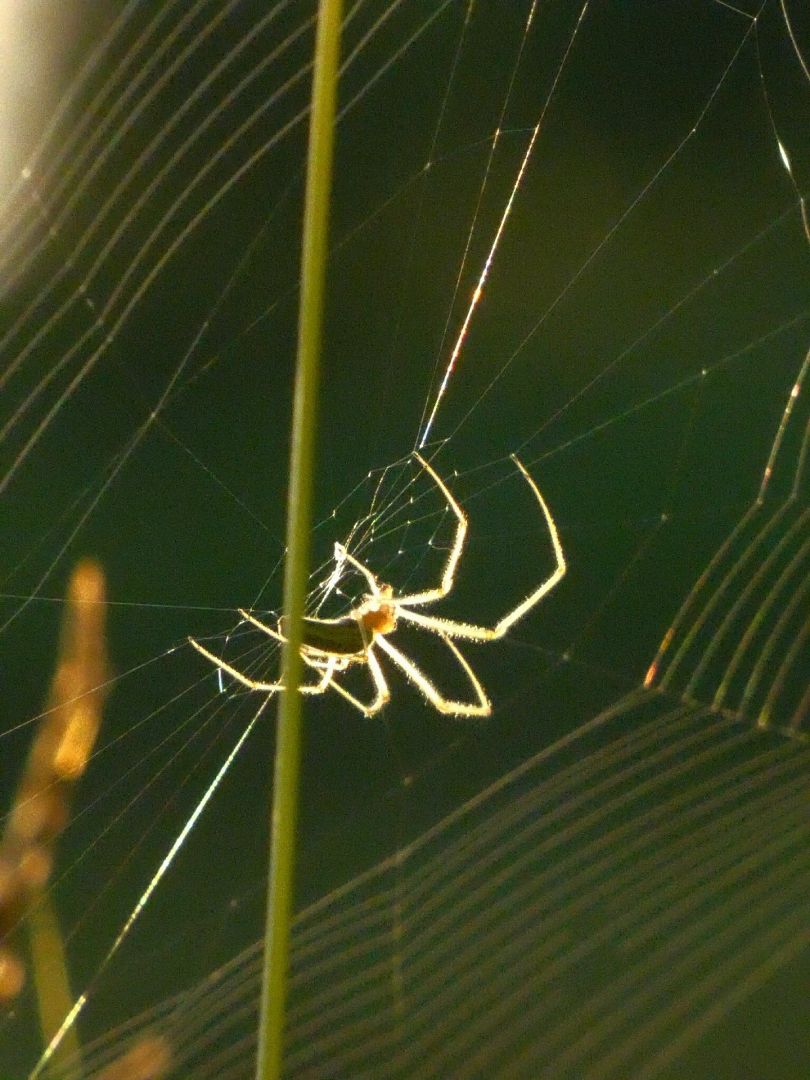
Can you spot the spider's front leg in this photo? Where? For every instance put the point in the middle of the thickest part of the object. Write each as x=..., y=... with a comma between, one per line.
x=382, y=694
x=327, y=671
x=265, y=629
x=427, y=596
x=344, y=556
x=448, y=706
x=472, y=631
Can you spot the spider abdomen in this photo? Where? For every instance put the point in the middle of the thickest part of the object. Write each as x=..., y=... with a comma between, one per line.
x=333, y=637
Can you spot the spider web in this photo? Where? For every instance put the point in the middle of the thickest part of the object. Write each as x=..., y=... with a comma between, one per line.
x=607, y=879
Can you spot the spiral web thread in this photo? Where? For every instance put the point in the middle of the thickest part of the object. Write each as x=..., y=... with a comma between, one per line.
x=597, y=909
x=600, y=907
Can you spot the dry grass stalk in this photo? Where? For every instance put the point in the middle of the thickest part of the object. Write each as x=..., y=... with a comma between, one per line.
x=58, y=757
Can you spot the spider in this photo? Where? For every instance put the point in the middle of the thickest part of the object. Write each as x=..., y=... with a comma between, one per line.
x=331, y=646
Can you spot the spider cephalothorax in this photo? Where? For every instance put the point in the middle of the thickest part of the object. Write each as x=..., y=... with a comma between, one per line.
x=331, y=646
x=378, y=614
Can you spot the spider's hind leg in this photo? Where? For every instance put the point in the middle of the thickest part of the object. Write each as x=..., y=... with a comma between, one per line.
x=382, y=694
x=265, y=629
x=326, y=679
x=447, y=706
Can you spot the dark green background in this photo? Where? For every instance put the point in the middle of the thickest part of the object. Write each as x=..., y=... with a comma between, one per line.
x=598, y=249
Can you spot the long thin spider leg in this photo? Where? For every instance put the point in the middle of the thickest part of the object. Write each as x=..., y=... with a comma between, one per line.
x=328, y=663
x=315, y=656
x=269, y=688
x=246, y=615
x=449, y=572
x=346, y=556
x=473, y=632
x=383, y=694
x=436, y=699
x=380, y=682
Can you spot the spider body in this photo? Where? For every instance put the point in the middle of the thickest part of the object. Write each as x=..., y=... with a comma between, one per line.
x=350, y=635
x=331, y=646
x=377, y=614
x=331, y=637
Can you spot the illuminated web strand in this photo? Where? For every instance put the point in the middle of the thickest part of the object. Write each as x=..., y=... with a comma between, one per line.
x=797, y=601
x=479, y=288
x=602, y=838
x=653, y=670
x=746, y=595
x=612, y=231
x=780, y=434
x=420, y=206
x=793, y=41
x=487, y=170
x=688, y=605
x=39, y=161
x=167, y=861
x=783, y=154
x=776, y=594
x=109, y=327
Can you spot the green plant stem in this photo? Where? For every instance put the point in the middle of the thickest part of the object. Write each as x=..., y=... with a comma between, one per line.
x=52, y=985
x=299, y=514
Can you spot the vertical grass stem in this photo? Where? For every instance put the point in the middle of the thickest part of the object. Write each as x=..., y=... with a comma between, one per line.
x=299, y=513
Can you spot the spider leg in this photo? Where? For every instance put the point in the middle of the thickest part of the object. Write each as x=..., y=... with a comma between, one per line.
x=482, y=707
x=382, y=695
x=319, y=687
x=473, y=632
x=448, y=574
x=342, y=555
x=427, y=596
x=261, y=626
